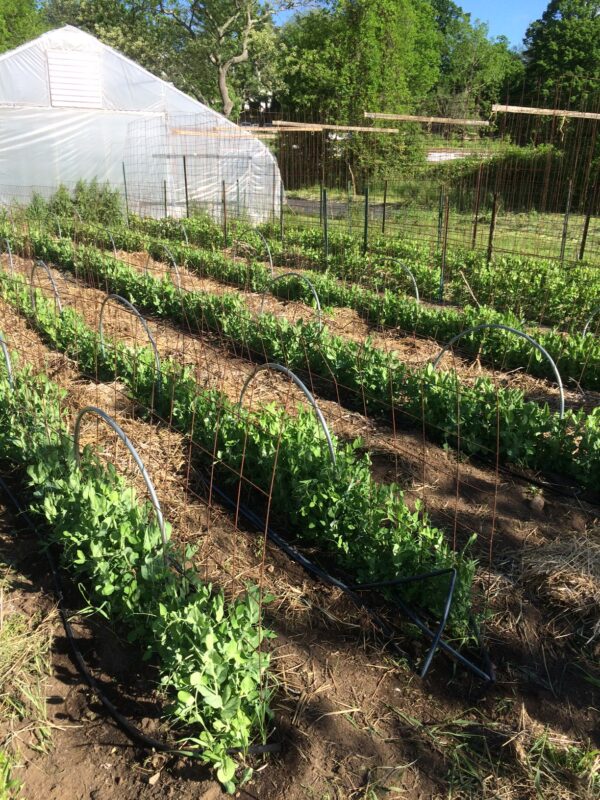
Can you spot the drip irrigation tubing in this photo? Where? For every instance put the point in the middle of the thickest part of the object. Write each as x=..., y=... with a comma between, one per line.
x=128, y=728
x=486, y=674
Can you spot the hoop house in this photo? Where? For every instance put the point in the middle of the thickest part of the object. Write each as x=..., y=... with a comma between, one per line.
x=73, y=108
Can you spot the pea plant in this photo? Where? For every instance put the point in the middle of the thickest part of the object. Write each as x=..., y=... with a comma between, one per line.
x=483, y=417
x=208, y=650
x=577, y=356
x=361, y=526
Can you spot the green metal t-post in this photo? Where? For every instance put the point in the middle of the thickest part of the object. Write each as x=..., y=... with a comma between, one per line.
x=325, y=228
x=366, y=231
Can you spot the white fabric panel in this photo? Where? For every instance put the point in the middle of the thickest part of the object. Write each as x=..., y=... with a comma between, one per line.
x=24, y=78
x=72, y=108
x=42, y=148
x=75, y=79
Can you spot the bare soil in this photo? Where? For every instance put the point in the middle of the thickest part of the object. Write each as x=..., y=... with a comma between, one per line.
x=354, y=721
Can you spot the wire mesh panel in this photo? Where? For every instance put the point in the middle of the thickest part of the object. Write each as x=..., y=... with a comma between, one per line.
x=184, y=164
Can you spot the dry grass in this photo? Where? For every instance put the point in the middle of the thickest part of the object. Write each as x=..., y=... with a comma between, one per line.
x=567, y=573
x=25, y=644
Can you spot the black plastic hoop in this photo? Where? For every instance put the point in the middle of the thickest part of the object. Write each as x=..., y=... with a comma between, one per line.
x=295, y=379
x=39, y=263
x=523, y=335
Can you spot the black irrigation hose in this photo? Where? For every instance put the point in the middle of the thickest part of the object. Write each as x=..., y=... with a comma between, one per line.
x=130, y=730
x=487, y=674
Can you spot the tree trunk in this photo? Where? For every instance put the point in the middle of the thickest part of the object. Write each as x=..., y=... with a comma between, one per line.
x=224, y=90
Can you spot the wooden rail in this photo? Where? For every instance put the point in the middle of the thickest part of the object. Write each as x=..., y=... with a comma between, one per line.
x=299, y=126
x=497, y=108
x=481, y=123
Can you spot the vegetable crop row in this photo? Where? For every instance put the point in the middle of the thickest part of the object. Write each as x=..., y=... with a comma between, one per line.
x=364, y=527
x=484, y=418
x=577, y=356
x=539, y=290
x=206, y=648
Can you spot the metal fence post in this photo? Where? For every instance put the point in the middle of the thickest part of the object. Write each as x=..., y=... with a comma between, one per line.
x=126, y=194
x=385, y=192
x=586, y=224
x=224, y=196
x=281, y=221
x=325, y=227
x=349, y=206
x=490, y=248
x=185, y=186
x=563, y=240
x=366, y=222
x=320, y=204
x=446, y=218
x=476, y=214
x=440, y=224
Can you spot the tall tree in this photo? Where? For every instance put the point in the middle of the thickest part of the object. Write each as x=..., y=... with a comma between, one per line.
x=220, y=30
x=311, y=62
x=391, y=54
x=562, y=50
x=20, y=21
x=474, y=67
x=360, y=55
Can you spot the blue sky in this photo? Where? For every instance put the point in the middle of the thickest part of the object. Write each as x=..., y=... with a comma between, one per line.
x=510, y=18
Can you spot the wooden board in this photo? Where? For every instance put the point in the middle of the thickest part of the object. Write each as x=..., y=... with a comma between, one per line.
x=482, y=123
x=542, y=112
x=298, y=126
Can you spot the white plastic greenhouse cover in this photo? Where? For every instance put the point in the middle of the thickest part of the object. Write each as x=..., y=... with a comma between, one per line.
x=73, y=108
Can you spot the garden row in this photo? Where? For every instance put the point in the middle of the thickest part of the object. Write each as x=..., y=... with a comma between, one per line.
x=207, y=649
x=577, y=357
x=539, y=290
x=363, y=527
x=483, y=418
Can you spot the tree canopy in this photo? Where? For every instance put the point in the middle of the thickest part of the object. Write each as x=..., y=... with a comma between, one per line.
x=334, y=58
x=20, y=21
x=562, y=51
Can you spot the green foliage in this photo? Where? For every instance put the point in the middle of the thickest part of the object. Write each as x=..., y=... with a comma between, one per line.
x=20, y=20
x=208, y=650
x=365, y=528
x=515, y=284
x=475, y=69
x=9, y=786
x=562, y=51
x=391, y=54
x=485, y=419
x=98, y=202
x=311, y=58
x=90, y=200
